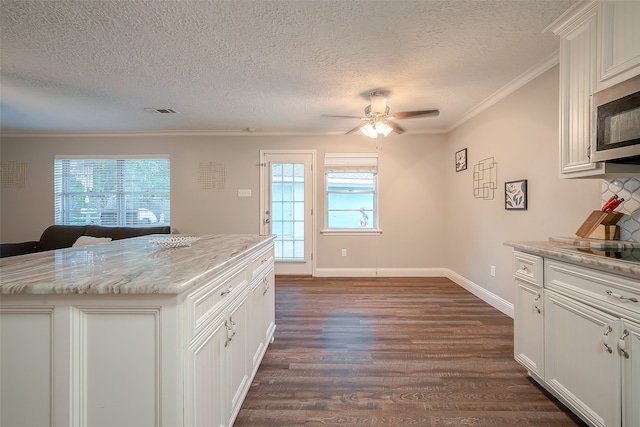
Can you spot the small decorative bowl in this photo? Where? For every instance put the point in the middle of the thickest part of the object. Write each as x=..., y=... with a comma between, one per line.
x=175, y=241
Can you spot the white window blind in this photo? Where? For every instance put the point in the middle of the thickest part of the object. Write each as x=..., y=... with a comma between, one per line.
x=347, y=162
x=112, y=191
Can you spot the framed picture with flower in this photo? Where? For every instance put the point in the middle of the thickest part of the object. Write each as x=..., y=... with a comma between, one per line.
x=461, y=160
x=515, y=195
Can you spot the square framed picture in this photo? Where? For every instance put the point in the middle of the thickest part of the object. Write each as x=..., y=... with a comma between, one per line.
x=461, y=160
x=515, y=195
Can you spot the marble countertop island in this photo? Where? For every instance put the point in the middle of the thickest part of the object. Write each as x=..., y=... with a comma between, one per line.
x=578, y=251
x=127, y=266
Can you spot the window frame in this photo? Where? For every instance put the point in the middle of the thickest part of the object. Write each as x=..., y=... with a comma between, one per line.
x=352, y=163
x=63, y=193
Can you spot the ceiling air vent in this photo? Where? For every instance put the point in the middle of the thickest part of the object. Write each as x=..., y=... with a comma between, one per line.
x=161, y=110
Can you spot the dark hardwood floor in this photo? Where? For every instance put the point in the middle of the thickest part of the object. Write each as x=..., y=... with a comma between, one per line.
x=392, y=352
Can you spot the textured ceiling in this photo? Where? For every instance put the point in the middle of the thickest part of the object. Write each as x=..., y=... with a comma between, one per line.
x=275, y=66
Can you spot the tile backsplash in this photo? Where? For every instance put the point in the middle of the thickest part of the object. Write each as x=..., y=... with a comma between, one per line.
x=629, y=189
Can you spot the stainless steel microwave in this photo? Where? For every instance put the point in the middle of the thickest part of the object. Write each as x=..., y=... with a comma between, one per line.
x=615, y=124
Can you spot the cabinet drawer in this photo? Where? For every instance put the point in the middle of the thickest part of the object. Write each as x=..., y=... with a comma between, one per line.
x=528, y=267
x=206, y=302
x=617, y=294
x=261, y=262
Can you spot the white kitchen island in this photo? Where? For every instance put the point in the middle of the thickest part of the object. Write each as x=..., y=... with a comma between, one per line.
x=126, y=334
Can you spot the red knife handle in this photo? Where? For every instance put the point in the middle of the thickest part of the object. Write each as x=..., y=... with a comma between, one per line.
x=616, y=204
x=608, y=206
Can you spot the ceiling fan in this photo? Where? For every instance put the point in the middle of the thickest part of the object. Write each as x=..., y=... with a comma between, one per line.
x=378, y=121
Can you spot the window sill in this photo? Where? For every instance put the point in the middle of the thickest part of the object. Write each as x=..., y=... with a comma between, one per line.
x=351, y=232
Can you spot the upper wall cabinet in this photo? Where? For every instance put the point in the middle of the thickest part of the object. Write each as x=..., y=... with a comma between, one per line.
x=619, y=53
x=599, y=47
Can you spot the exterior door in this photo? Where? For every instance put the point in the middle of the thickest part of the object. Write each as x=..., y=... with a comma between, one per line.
x=286, y=199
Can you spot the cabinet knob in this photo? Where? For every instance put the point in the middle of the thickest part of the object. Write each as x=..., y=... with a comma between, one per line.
x=622, y=344
x=230, y=325
x=228, y=291
x=605, y=339
x=537, y=298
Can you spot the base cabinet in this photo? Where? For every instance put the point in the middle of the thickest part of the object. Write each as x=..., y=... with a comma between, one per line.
x=134, y=360
x=629, y=347
x=262, y=303
x=237, y=355
x=582, y=366
x=226, y=355
x=582, y=343
x=206, y=397
x=529, y=328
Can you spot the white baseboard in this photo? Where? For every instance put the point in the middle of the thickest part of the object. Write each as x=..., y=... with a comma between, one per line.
x=381, y=272
x=489, y=297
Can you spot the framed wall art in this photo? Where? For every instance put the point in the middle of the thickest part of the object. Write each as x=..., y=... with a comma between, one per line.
x=515, y=195
x=461, y=160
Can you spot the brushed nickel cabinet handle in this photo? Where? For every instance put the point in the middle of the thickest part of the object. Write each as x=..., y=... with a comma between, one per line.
x=620, y=297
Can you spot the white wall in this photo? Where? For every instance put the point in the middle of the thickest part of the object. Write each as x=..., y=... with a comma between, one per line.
x=411, y=169
x=521, y=133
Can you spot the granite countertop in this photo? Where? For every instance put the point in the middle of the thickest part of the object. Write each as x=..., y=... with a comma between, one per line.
x=127, y=266
x=564, y=249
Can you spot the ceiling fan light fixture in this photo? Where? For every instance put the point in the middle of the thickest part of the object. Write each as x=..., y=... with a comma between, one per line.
x=369, y=130
x=383, y=129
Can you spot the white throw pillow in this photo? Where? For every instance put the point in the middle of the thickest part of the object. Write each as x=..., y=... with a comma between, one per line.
x=88, y=240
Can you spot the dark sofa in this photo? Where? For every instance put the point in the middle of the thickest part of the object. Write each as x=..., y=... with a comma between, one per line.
x=64, y=236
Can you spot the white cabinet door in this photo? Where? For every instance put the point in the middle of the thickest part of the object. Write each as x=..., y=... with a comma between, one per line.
x=529, y=328
x=581, y=362
x=256, y=336
x=269, y=305
x=619, y=41
x=262, y=317
x=630, y=341
x=238, y=359
x=27, y=367
x=577, y=82
x=206, y=398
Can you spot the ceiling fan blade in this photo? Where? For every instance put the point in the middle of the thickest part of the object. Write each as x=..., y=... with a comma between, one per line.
x=355, y=129
x=344, y=117
x=413, y=114
x=396, y=127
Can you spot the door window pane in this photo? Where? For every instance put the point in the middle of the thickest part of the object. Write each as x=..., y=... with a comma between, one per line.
x=287, y=209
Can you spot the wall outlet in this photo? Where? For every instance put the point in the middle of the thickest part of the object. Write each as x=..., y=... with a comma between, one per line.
x=493, y=271
x=244, y=192
x=344, y=252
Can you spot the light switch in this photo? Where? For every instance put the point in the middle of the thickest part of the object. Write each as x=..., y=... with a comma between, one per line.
x=244, y=192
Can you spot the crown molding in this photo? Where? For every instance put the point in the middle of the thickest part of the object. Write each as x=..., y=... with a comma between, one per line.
x=508, y=89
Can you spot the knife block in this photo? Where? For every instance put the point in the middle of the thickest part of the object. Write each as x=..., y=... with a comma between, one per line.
x=601, y=225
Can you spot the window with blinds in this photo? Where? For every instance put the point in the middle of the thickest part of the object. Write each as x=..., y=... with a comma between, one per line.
x=112, y=191
x=351, y=188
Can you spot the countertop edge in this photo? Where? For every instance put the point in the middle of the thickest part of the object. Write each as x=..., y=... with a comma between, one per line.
x=562, y=251
x=129, y=284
